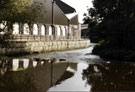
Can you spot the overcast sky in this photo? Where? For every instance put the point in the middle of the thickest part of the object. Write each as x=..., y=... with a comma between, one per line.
x=80, y=6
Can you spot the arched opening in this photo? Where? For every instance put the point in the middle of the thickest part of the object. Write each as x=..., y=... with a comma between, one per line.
x=50, y=30
x=43, y=30
x=58, y=30
x=25, y=63
x=15, y=64
x=35, y=29
x=26, y=29
x=34, y=63
x=64, y=31
x=2, y=26
x=16, y=28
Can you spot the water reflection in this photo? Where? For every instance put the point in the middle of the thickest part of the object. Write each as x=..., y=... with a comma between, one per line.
x=84, y=73
x=35, y=75
x=74, y=84
x=110, y=77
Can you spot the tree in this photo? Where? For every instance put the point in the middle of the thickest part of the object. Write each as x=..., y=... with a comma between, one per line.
x=114, y=28
x=12, y=11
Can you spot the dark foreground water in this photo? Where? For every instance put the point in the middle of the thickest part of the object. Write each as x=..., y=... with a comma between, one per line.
x=76, y=70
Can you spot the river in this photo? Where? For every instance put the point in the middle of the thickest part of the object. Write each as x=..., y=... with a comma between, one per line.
x=75, y=70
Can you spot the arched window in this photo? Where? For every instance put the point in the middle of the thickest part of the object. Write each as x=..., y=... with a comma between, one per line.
x=16, y=28
x=58, y=31
x=43, y=30
x=26, y=29
x=35, y=29
x=50, y=30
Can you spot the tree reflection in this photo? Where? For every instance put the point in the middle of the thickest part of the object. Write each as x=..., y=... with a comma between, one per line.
x=110, y=77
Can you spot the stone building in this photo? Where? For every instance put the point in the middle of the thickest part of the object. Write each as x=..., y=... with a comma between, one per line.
x=59, y=21
x=56, y=28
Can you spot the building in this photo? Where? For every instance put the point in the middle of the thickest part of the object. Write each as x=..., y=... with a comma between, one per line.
x=56, y=28
x=58, y=20
x=85, y=32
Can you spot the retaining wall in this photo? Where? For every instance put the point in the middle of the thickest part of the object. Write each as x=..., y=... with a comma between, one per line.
x=44, y=46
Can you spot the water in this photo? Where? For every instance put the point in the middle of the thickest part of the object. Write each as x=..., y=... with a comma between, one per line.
x=75, y=83
x=76, y=70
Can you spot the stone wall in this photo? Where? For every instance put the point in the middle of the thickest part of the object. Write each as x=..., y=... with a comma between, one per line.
x=44, y=46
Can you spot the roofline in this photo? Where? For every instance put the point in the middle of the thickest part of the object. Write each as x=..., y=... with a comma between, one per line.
x=69, y=5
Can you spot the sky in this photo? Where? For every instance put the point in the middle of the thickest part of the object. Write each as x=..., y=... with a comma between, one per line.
x=81, y=6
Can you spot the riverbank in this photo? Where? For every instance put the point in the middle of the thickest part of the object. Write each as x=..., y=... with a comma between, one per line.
x=79, y=55
x=114, y=53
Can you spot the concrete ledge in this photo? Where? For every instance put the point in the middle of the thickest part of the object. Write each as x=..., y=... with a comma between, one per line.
x=44, y=46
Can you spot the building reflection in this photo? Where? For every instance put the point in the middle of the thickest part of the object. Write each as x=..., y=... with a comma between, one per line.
x=110, y=77
x=35, y=75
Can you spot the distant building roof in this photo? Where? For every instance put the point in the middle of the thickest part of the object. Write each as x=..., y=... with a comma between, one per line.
x=65, y=7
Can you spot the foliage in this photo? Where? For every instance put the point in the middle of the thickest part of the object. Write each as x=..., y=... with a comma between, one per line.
x=21, y=11
x=114, y=22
